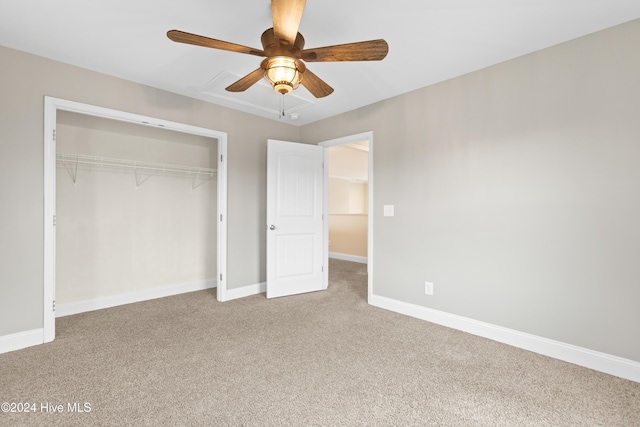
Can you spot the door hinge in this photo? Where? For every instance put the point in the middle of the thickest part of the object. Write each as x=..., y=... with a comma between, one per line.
x=54, y=220
x=220, y=217
x=221, y=277
x=54, y=305
x=222, y=157
x=54, y=134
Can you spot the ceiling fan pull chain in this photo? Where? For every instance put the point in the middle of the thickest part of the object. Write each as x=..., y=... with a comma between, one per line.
x=282, y=106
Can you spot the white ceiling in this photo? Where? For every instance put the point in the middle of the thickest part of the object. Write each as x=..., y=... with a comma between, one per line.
x=429, y=41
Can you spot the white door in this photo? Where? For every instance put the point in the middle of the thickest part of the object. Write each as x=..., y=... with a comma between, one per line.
x=295, y=198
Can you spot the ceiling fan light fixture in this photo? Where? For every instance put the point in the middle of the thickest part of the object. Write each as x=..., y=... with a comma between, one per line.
x=283, y=48
x=283, y=73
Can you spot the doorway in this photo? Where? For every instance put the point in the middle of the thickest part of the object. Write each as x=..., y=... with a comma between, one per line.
x=348, y=194
x=52, y=107
x=361, y=201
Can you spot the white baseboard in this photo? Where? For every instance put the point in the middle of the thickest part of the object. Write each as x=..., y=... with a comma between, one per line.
x=602, y=362
x=70, y=308
x=246, y=291
x=347, y=257
x=20, y=340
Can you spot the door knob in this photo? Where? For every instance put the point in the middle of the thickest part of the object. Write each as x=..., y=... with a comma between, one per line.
x=273, y=227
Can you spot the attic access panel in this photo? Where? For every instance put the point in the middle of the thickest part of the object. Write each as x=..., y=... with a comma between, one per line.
x=260, y=97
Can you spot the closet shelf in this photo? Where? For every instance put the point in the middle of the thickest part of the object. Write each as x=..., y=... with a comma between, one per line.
x=142, y=169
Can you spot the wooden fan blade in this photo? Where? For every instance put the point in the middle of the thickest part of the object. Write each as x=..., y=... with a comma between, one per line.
x=188, y=38
x=286, y=18
x=372, y=50
x=315, y=85
x=247, y=81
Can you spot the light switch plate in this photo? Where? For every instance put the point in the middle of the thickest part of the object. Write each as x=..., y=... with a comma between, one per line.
x=388, y=210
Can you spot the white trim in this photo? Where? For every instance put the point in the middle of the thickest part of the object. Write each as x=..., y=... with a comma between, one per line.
x=347, y=257
x=246, y=291
x=51, y=106
x=222, y=220
x=603, y=362
x=71, y=308
x=21, y=340
x=49, y=279
x=364, y=136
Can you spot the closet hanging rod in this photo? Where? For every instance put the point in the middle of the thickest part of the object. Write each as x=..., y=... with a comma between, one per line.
x=81, y=159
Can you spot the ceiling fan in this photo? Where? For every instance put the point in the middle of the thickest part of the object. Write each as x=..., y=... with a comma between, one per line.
x=283, y=47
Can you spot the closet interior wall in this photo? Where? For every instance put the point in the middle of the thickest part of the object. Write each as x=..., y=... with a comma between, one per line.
x=119, y=233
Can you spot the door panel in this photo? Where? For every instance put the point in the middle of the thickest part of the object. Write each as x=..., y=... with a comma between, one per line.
x=294, y=218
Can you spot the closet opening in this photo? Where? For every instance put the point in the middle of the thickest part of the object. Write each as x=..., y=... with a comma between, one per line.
x=136, y=208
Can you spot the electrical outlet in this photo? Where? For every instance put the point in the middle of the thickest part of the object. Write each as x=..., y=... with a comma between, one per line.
x=428, y=288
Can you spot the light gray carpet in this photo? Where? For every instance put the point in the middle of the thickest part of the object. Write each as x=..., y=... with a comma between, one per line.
x=321, y=359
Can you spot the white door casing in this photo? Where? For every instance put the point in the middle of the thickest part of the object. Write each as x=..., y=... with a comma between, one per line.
x=295, y=238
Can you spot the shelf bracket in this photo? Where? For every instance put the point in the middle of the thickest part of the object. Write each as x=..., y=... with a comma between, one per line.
x=198, y=181
x=140, y=177
x=72, y=170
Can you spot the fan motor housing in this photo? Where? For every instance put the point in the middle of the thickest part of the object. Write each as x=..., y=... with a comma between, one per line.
x=276, y=47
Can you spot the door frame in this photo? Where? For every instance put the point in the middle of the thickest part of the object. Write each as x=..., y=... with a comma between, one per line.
x=51, y=107
x=364, y=136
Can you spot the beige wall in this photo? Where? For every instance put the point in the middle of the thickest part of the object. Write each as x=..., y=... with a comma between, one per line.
x=348, y=234
x=516, y=192
x=349, y=162
x=24, y=81
x=347, y=197
x=348, y=220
